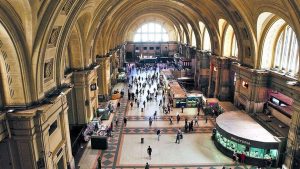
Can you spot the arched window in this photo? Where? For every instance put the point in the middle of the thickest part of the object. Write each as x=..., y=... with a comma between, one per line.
x=230, y=47
x=206, y=40
x=151, y=32
x=280, y=49
x=286, y=53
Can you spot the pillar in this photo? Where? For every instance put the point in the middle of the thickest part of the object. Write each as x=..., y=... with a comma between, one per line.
x=104, y=83
x=293, y=144
x=86, y=94
x=202, y=71
x=254, y=95
x=35, y=141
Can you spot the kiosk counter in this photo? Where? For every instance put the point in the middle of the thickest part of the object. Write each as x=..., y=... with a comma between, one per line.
x=178, y=95
x=237, y=132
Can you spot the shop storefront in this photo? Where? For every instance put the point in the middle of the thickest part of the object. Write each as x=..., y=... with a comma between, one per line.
x=238, y=132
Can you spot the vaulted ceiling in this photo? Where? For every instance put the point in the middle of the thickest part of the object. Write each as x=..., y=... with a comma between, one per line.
x=80, y=29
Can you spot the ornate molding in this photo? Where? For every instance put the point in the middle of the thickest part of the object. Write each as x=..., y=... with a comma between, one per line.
x=48, y=70
x=54, y=36
x=67, y=7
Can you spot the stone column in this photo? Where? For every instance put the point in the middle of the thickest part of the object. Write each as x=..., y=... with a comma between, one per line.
x=293, y=143
x=222, y=89
x=103, y=73
x=212, y=88
x=237, y=88
x=218, y=66
x=66, y=135
x=24, y=144
x=202, y=71
x=258, y=93
x=86, y=94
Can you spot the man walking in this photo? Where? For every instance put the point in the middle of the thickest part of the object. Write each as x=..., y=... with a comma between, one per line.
x=177, y=138
x=178, y=118
x=196, y=121
x=125, y=121
x=154, y=116
x=158, y=134
x=149, y=151
x=171, y=120
x=150, y=121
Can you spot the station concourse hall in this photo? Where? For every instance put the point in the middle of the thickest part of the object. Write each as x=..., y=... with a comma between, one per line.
x=154, y=84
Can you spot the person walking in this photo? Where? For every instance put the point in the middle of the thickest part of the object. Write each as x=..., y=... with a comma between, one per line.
x=131, y=104
x=192, y=125
x=178, y=118
x=171, y=120
x=177, y=138
x=206, y=119
x=147, y=166
x=116, y=121
x=154, y=115
x=196, y=120
x=149, y=151
x=158, y=134
x=182, y=107
x=150, y=121
x=125, y=121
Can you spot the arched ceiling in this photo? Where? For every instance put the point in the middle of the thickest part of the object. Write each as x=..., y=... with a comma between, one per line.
x=102, y=25
x=114, y=27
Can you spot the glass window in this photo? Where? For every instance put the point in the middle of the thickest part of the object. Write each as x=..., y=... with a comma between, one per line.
x=283, y=39
x=151, y=32
x=257, y=152
x=230, y=48
x=206, y=41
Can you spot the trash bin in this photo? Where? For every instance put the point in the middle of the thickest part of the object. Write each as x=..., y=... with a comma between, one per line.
x=142, y=140
x=142, y=109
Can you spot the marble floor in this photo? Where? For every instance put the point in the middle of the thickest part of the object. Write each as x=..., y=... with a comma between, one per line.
x=125, y=150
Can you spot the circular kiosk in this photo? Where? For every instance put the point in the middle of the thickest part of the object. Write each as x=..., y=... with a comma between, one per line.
x=238, y=132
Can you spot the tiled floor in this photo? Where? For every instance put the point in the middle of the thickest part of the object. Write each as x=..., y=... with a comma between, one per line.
x=125, y=150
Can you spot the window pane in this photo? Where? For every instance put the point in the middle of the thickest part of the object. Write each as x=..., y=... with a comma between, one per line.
x=206, y=41
x=144, y=38
x=151, y=32
x=278, y=51
x=151, y=27
x=165, y=37
x=157, y=37
x=151, y=37
x=157, y=28
x=145, y=28
x=137, y=38
x=285, y=49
